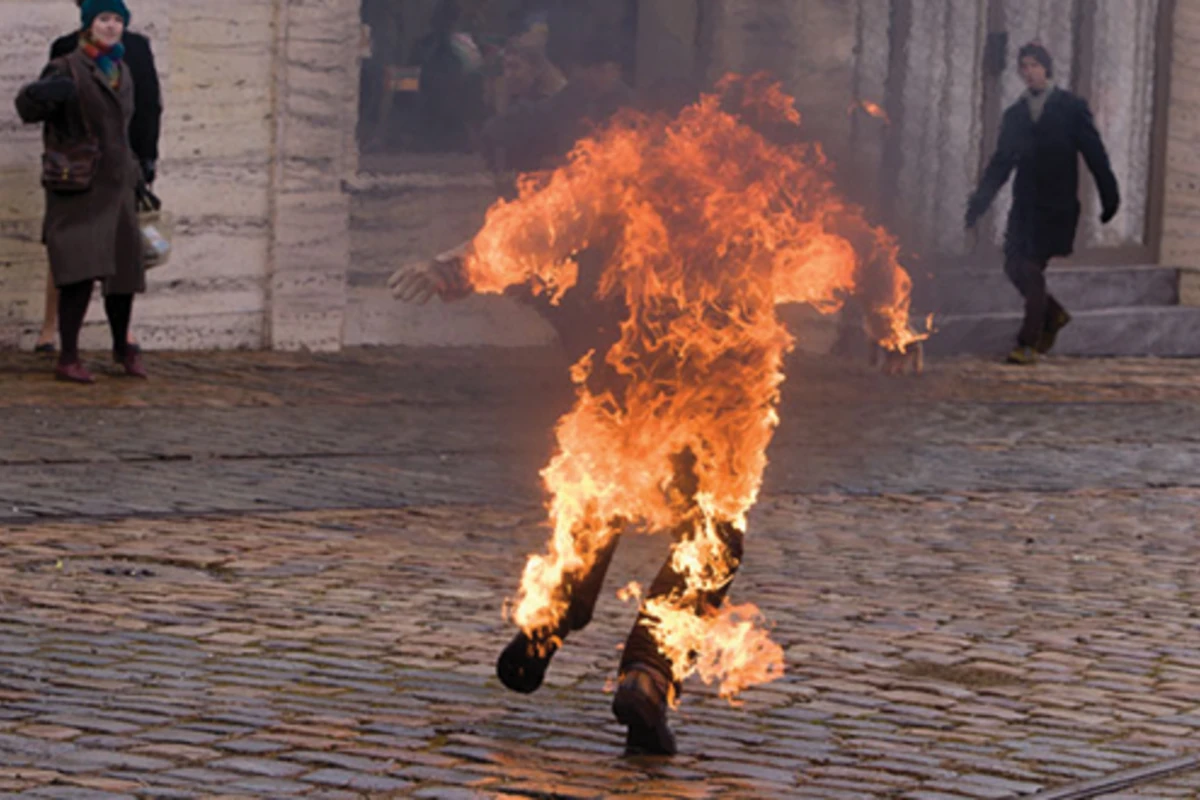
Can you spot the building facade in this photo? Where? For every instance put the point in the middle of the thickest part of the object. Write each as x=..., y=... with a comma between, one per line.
x=290, y=214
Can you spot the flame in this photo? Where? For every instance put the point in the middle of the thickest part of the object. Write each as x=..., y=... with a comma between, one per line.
x=873, y=109
x=710, y=225
x=727, y=646
x=632, y=591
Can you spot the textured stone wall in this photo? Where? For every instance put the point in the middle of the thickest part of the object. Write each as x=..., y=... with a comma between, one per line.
x=1181, y=212
x=938, y=124
x=1122, y=94
x=260, y=102
x=317, y=101
x=280, y=243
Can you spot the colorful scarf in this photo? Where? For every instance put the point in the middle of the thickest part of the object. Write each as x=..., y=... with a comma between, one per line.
x=108, y=59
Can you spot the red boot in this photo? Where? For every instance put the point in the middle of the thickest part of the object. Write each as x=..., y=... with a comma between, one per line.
x=132, y=361
x=73, y=372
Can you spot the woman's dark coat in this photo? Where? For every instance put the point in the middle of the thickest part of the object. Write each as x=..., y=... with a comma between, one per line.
x=91, y=234
x=1045, y=154
x=147, y=93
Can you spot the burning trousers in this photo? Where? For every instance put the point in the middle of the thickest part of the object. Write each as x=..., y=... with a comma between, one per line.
x=674, y=445
x=671, y=584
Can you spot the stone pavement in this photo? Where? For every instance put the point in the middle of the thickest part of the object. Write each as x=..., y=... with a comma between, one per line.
x=270, y=575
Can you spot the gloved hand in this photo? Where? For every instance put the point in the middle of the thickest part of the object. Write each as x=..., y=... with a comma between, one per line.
x=1109, y=212
x=53, y=91
x=149, y=170
x=974, y=212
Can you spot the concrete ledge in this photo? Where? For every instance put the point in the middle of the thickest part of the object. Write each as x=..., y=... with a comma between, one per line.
x=1167, y=331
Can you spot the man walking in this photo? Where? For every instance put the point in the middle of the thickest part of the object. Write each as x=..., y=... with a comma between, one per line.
x=1042, y=136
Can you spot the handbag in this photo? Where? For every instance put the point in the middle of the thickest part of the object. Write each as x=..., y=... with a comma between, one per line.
x=156, y=227
x=70, y=166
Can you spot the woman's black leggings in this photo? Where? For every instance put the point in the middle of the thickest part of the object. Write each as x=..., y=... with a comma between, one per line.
x=73, y=300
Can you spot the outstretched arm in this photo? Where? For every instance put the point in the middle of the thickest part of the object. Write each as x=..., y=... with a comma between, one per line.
x=882, y=288
x=533, y=240
x=529, y=241
x=1088, y=140
x=46, y=97
x=999, y=168
x=849, y=257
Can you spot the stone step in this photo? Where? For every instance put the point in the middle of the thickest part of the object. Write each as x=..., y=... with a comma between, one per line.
x=976, y=291
x=1165, y=331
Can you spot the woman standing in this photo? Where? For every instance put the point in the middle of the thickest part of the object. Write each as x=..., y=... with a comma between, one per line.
x=91, y=231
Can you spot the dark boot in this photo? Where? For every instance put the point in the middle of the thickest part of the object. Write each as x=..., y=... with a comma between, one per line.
x=130, y=357
x=1055, y=322
x=73, y=372
x=522, y=665
x=641, y=704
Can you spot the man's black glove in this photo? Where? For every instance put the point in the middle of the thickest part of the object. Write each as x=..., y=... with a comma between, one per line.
x=149, y=170
x=53, y=91
x=1109, y=212
x=974, y=212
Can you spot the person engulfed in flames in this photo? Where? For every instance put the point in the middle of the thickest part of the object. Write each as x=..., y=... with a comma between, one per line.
x=660, y=250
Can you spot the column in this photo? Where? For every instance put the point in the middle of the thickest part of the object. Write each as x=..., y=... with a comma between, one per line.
x=316, y=103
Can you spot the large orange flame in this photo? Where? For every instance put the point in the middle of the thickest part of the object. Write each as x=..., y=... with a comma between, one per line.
x=712, y=225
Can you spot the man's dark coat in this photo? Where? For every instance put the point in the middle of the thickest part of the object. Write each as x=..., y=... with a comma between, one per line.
x=147, y=95
x=1045, y=154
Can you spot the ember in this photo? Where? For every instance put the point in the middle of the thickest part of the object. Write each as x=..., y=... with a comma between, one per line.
x=873, y=109
x=711, y=225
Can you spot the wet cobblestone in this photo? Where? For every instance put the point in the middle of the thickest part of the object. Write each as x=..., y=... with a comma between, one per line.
x=266, y=575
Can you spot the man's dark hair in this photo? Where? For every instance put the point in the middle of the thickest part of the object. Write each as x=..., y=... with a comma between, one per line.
x=1039, y=53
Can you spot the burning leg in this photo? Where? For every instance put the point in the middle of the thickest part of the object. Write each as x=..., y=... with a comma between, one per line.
x=522, y=664
x=693, y=583
x=650, y=677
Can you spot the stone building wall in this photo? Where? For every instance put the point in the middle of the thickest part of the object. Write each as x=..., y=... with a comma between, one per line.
x=282, y=241
x=254, y=149
x=1181, y=201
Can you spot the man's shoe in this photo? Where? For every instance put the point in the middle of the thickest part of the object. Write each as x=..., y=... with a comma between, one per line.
x=641, y=703
x=74, y=372
x=131, y=360
x=522, y=665
x=1059, y=321
x=1025, y=356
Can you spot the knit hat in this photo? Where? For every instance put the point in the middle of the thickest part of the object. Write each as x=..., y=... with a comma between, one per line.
x=94, y=8
x=1038, y=52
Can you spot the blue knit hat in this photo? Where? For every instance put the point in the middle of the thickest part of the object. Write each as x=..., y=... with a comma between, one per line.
x=94, y=8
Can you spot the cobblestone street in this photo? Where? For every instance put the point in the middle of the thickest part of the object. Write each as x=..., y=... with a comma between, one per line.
x=274, y=575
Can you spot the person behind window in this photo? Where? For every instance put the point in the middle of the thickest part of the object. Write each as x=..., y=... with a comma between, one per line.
x=451, y=85
x=528, y=74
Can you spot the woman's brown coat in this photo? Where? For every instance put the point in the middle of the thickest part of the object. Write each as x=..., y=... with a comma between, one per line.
x=92, y=234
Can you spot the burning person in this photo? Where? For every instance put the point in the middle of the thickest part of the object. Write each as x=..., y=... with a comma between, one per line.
x=1042, y=136
x=660, y=249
